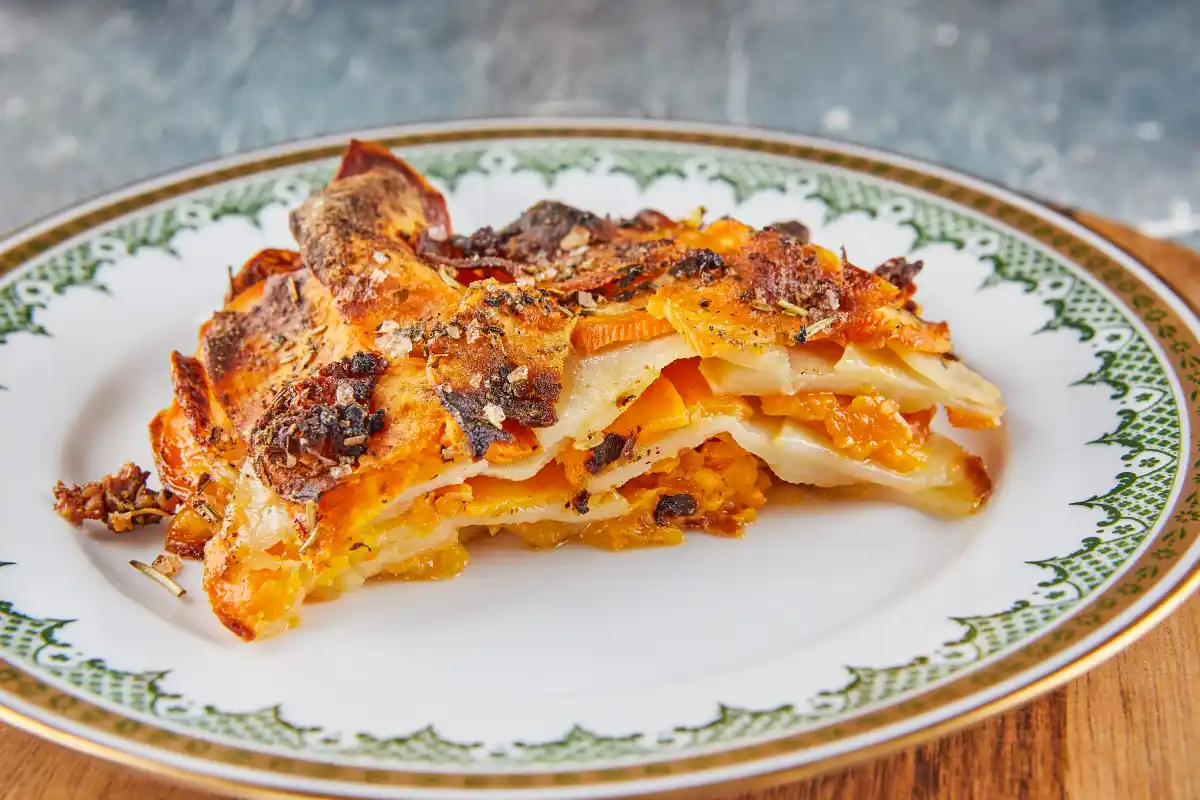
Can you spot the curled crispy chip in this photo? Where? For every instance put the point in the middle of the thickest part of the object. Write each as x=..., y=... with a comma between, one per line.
x=354, y=235
x=362, y=158
x=261, y=265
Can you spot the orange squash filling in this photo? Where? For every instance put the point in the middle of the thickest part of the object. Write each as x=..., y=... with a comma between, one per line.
x=671, y=402
x=867, y=426
x=726, y=483
x=966, y=419
x=439, y=564
x=597, y=332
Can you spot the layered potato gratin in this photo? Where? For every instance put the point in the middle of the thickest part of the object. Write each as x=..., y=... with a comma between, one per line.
x=369, y=404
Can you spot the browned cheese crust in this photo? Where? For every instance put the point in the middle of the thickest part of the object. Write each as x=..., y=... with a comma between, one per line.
x=500, y=357
x=318, y=427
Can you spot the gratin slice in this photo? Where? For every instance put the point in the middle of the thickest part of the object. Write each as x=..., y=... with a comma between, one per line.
x=374, y=401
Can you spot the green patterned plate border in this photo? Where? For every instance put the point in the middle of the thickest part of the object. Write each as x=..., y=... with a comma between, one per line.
x=1153, y=566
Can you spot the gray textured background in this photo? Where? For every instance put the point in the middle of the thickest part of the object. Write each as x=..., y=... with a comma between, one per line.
x=1088, y=102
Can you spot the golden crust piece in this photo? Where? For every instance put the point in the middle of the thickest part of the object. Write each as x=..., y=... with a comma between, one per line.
x=282, y=323
x=353, y=237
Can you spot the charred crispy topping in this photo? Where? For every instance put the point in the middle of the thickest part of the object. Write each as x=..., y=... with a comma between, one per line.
x=120, y=501
x=500, y=357
x=608, y=451
x=233, y=339
x=257, y=343
x=260, y=267
x=221, y=342
x=697, y=262
x=544, y=232
x=776, y=267
x=617, y=268
x=317, y=428
x=792, y=228
x=674, y=505
x=899, y=271
x=206, y=420
x=580, y=502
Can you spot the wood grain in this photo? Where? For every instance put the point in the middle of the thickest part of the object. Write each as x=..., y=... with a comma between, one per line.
x=1128, y=730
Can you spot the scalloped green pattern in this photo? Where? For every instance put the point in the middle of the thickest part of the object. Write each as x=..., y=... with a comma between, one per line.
x=1147, y=430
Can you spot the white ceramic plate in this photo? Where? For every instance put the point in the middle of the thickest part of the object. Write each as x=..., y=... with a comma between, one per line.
x=829, y=631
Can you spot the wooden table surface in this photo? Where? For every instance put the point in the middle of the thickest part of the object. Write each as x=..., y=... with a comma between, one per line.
x=1129, y=729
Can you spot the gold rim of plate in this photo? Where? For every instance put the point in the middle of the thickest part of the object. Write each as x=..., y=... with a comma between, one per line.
x=1047, y=227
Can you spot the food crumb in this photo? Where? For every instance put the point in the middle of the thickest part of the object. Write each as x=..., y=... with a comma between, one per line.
x=495, y=414
x=121, y=501
x=168, y=564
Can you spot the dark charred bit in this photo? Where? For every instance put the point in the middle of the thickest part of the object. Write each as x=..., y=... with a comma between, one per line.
x=367, y=364
x=802, y=335
x=628, y=274
x=317, y=428
x=468, y=410
x=514, y=269
x=646, y=220
x=580, y=502
x=899, y=271
x=911, y=307
x=606, y=452
x=428, y=245
x=793, y=229
x=695, y=262
x=775, y=267
x=674, y=505
x=120, y=501
x=499, y=360
x=538, y=236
